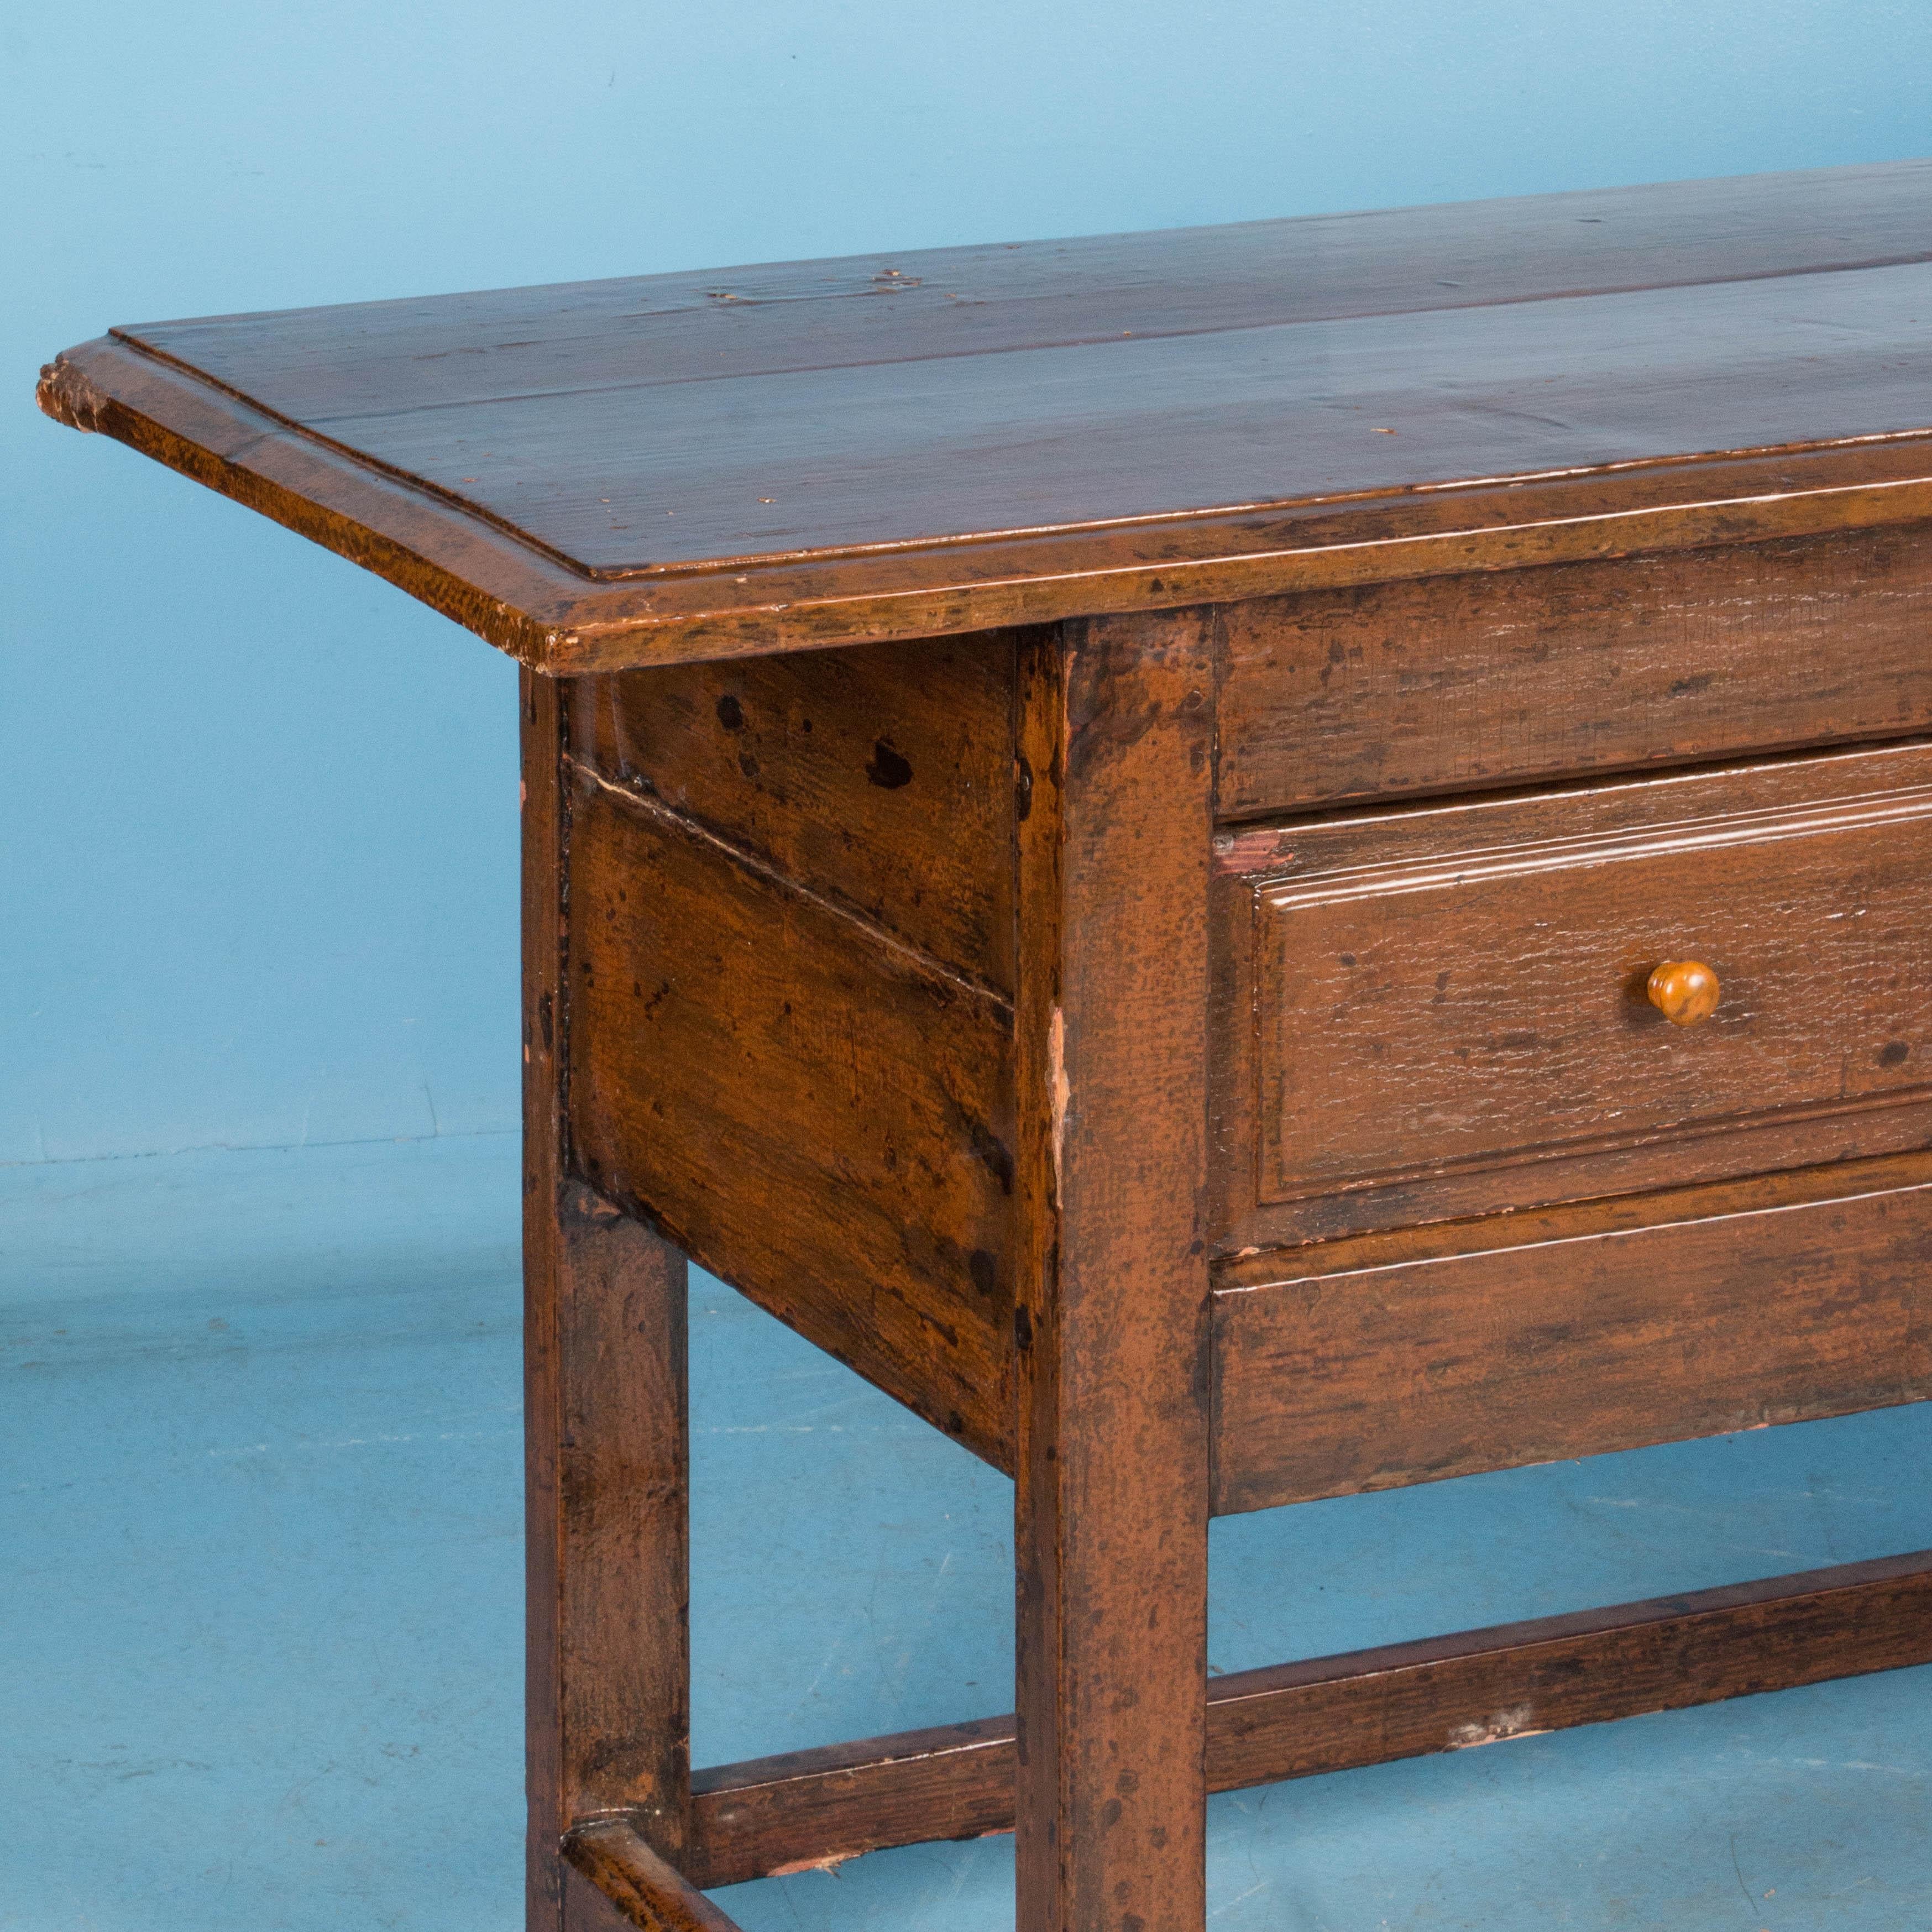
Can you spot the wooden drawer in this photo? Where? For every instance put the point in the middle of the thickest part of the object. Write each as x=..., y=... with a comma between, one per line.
x=1403, y=1358
x=1449, y=684
x=1441, y=1010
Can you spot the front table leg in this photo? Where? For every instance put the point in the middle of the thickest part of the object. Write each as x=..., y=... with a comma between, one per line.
x=1116, y=719
x=605, y=1408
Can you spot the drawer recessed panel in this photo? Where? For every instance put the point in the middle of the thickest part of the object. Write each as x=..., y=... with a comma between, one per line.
x=1464, y=988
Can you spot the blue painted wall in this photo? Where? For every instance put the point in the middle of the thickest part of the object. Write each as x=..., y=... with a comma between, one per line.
x=257, y=866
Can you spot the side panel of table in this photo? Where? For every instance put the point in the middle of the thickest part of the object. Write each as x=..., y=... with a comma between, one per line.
x=789, y=1038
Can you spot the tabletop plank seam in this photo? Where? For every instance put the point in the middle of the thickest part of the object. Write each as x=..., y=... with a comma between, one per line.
x=890, y=474
x=1340, y=316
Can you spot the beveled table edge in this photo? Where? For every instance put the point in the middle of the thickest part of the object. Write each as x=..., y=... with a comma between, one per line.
x=552, y=617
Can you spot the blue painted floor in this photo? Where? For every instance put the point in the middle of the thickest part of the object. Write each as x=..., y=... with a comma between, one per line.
x=260, y=1608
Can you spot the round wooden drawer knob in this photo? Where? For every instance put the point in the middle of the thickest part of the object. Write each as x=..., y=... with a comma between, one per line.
x=1683, y=991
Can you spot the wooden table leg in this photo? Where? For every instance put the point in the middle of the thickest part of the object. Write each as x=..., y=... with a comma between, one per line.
x=605, y=1406
x=1111, y=1543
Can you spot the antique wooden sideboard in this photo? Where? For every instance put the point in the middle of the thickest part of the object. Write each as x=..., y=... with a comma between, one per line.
x=1243, y=865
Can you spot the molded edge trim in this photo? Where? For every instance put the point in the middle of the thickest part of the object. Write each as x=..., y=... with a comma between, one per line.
x=557, y=620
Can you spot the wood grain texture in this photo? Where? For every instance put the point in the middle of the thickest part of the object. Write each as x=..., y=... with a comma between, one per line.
x=628, y=479
x=1111, y=1492
x=1339, y=1713
x=820, y=1117
x=608, y=1641
x=1404, y=1358
x=800, y=1810
x=648, y=1893
x=623, y=1474
x=821, y=406
x=594, y=475
x=1488, y=679
x=779, y=317
x=1448, y=1003
x=587, y=1907
x=879, y=777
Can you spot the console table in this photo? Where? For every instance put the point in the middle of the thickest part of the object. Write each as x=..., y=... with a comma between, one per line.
x=1243, y=865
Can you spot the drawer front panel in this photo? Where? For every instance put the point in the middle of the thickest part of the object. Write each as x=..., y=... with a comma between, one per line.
x=1454, y=683
x=1396, y=1359
x=1462, y=988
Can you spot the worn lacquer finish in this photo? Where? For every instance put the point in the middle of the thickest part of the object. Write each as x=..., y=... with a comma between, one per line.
x=878, y=779
x=632, y=1879
x=596, y=474
x=820, y=1117
x=1336, y=1713
x=1351, y=909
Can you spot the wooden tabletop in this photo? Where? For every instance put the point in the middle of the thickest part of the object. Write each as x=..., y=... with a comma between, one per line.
x=673, y=466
